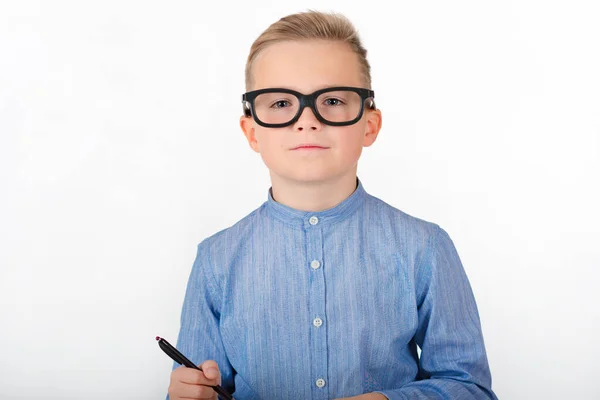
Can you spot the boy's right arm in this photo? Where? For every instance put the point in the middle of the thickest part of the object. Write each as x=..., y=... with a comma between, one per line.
x=199, y=335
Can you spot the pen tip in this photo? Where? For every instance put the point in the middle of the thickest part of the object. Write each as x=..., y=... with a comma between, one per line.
x=158, y=338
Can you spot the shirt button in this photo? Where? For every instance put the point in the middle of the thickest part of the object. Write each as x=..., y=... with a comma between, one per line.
x=313, y=220
x=317, y=322
x=315, y=264
x=320, y=382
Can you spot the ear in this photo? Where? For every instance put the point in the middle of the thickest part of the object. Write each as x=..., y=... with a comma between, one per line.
x=247, y=125
x=374, y=120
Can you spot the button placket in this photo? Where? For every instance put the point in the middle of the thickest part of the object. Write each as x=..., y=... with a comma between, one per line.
x=316, y=307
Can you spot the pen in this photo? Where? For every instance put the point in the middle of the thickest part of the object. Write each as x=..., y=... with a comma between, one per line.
x=181, y=359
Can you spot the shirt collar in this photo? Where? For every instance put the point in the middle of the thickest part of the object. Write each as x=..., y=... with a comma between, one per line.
x=310, y=219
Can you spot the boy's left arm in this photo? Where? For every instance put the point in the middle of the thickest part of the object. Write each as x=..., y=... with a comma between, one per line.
x=453, y=362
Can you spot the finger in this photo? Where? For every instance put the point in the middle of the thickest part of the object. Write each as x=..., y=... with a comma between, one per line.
x=195, y=392
x=211, y=371
x=189, y=383
x=191, y=376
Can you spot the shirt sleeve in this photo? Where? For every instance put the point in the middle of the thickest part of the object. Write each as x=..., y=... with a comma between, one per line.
x=199, y=335
x=453, y=362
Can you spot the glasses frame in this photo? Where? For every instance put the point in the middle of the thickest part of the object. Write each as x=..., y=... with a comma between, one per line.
x=307, y=100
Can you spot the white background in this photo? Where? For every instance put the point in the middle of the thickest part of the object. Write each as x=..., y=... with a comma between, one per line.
x=120, y=150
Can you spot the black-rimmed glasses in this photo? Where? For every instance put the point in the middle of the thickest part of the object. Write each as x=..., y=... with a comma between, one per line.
x=279, y=107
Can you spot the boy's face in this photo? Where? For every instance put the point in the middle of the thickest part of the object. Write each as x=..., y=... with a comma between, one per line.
x=308, y=66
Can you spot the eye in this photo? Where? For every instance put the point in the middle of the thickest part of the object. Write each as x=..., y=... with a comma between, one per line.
x=280, y=104
x=333, y=102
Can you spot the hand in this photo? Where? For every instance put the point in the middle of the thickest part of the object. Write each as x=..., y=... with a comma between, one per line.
x=366, y=396
x=189, y=383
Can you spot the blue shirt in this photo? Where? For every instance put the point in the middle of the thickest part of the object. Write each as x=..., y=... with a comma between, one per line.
x=321, y=305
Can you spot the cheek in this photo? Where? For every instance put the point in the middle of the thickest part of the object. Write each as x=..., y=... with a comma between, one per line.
x=350, y=153
x=270, y=145
x=267, y=141
x=350, y=142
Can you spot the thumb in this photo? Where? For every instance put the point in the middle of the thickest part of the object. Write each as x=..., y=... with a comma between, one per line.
x=211, y=370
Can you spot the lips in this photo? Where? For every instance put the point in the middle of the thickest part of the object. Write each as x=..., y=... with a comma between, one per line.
x=309, y=146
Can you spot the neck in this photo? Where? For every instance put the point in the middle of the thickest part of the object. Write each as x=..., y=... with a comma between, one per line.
x=312, y=196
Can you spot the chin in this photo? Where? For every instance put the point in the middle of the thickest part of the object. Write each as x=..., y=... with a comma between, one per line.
x=311, y=176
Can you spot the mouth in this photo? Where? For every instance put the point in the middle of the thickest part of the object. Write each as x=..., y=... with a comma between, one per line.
x=310, y=147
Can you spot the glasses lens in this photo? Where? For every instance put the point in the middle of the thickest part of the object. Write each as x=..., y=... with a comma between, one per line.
x=339, y=105
x=276, y=108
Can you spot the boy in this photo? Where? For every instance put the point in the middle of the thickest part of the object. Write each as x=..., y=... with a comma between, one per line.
x=325, y=291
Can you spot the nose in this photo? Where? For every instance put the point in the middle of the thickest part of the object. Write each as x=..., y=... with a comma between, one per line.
x=307, y=121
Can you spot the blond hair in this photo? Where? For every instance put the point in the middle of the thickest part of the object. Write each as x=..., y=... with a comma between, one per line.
x=311, y=25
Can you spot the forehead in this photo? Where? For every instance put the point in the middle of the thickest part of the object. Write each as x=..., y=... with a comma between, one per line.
x=306, y=66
